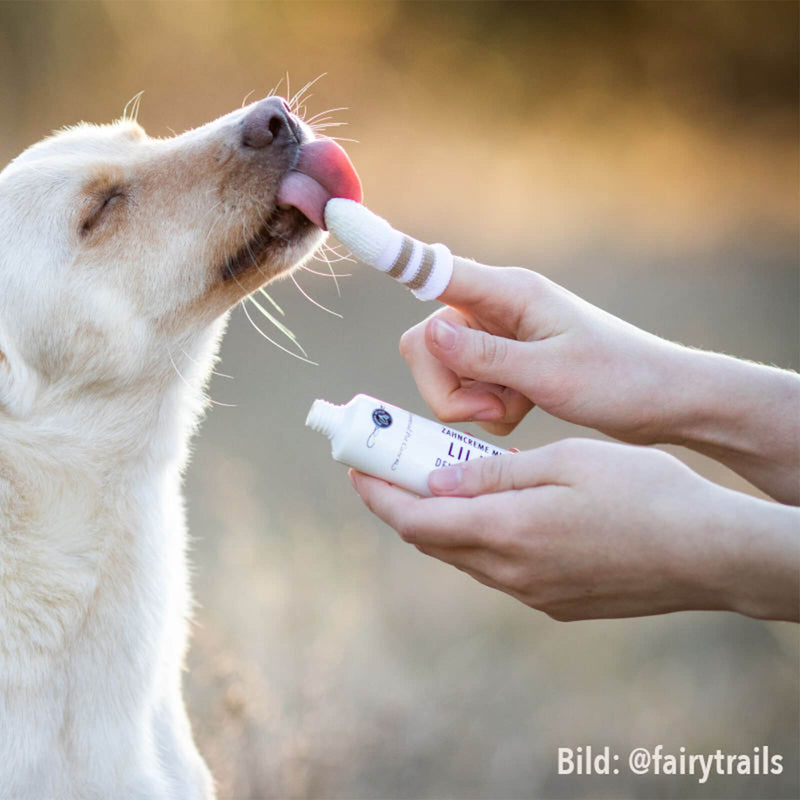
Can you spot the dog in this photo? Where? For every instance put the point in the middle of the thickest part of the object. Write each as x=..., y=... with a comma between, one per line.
x=120, y=257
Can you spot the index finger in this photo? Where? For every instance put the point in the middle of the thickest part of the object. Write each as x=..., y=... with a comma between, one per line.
x=474, y=285
x=440, y=387
x=421, y=267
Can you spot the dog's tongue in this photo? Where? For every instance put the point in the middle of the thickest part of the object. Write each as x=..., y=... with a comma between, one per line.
x=323, y=171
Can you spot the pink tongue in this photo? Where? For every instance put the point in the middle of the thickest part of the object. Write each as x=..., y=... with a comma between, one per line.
x=323, y=171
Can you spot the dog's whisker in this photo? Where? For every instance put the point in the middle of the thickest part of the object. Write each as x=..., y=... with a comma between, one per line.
x=213, y=226
x=276, y=322
x=270, y=317
x=131, y=111
x=326, y=113
x=246, y=98
x=274, y=90
x=323, y=256
x=322, y=128
x=306, y=268
x=295, y=100
x=315, y=125
x=213, y=371
x=272, y=341
x=312, y=300
x=318, y=118
x=334, y=257
x=334, y=249
x=252, y=255
x=302, y=109
x=328, y=254
x=194, y=388
x=288, y=89
x=338, y=259
x=269, y=297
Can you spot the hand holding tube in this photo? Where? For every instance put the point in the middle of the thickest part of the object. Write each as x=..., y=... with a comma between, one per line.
x=584, y=529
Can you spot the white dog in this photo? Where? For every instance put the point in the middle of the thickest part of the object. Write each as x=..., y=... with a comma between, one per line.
x=119, y=258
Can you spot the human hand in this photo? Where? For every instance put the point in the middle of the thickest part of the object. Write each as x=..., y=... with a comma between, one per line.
x=509, y=338
x=586, y=529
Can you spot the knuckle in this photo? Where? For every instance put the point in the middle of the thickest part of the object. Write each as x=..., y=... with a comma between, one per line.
x=442, y=410
x=366, y=499
x=515, y=579
x=565, y=451
x=569, y=446
x=564, y=608
x=405, y=532
x=492, y=350
x=497, y=474
x=445, y=414
x=407, y=343
x=498, y=428
x=493, y=473
x=408, y=531
x=525, y=278
x=658, y=457
x=535, y=283
x=403, y=345
x=559, y=614
x=529, y=284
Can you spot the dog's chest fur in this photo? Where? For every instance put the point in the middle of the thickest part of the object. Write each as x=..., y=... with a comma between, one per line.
x=94, y=603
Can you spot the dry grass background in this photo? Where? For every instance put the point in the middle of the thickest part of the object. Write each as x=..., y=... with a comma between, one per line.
x=645, y=156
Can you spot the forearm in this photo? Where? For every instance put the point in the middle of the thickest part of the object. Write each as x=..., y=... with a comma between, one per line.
x=758, y=561
x=745, y=415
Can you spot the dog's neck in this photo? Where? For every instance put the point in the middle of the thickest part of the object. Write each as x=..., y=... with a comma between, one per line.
x=106, y=430
x=92, y=529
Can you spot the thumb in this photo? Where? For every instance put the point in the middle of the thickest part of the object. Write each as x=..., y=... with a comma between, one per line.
x=476, y=354
x=540, y=467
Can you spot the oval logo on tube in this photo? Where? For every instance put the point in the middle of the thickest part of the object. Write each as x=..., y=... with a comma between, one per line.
x=382, y=418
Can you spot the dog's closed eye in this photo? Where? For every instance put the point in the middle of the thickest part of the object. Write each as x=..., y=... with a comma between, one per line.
x=105, y=203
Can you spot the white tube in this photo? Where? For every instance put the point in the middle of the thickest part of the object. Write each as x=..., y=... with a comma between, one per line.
x=390, y=443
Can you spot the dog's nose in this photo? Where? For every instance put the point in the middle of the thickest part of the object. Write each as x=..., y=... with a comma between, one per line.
x=268, y=123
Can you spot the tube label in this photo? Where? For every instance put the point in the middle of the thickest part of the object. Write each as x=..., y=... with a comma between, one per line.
x=400, y=447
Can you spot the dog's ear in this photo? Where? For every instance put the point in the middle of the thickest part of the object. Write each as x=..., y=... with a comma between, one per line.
x=18, y=382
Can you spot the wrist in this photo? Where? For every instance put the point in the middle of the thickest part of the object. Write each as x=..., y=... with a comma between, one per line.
x=757, y=569
x=737, y=412
x=714, y=399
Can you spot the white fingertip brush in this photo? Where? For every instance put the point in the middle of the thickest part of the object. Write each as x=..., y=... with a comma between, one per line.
x=426, y=269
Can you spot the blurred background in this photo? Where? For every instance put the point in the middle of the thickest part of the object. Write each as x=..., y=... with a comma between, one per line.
x=643, y=155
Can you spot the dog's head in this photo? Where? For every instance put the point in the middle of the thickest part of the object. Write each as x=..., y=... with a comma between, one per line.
x=117, y=248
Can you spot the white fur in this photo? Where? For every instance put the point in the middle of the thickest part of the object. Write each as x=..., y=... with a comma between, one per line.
x=106, y=342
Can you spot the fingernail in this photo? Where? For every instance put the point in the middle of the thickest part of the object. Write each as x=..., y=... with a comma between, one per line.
x=444, y=334
x=445, y=480
x=488, y=414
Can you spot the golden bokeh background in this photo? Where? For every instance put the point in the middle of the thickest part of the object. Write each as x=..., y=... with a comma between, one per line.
x=645, y=155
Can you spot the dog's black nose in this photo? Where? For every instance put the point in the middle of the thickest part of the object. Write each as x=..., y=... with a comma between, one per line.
x=268, y=123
